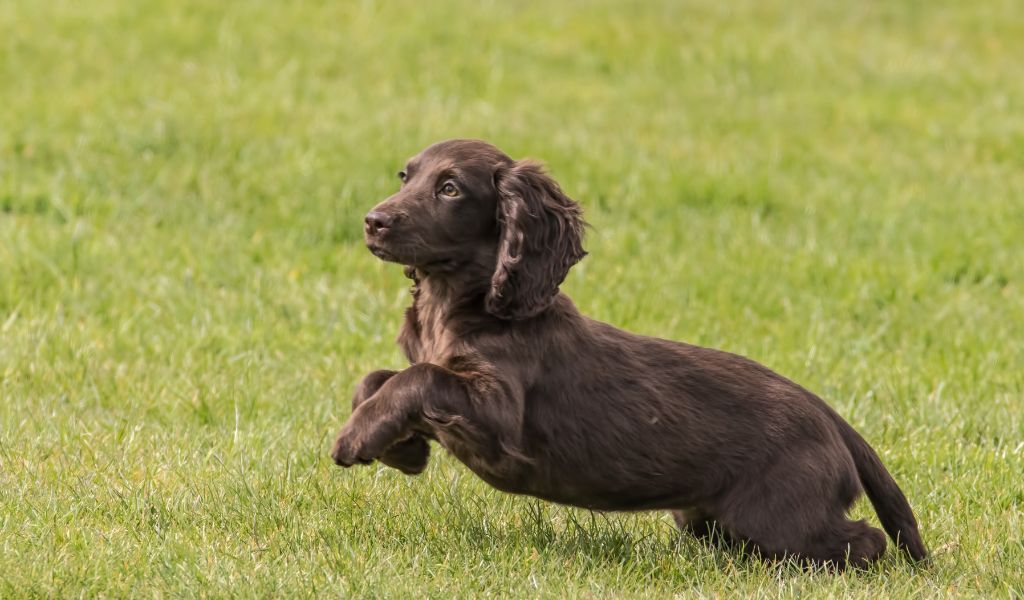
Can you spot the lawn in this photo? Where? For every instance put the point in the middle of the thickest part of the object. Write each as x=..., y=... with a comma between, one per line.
x=833, y=189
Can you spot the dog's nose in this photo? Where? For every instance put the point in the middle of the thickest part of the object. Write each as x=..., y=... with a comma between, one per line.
x=376, y=221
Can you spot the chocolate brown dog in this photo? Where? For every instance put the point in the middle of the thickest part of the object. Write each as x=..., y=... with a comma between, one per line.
x=537, y=399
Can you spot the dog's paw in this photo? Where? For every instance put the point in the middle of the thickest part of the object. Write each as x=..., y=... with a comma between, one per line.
x=349, y=450
x=409, y=456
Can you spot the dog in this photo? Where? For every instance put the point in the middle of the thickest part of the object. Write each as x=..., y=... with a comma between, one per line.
x=535, y=398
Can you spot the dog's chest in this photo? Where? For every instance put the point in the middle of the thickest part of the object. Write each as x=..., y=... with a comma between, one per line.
x=426, y=337
x=436, y=342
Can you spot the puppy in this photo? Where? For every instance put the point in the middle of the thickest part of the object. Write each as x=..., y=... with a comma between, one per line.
x=537, y=399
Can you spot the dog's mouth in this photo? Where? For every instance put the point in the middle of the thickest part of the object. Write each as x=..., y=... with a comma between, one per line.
x=381, y=253
x=424, y=263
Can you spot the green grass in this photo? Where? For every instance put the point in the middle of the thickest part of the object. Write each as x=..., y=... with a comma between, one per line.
x=836, y=190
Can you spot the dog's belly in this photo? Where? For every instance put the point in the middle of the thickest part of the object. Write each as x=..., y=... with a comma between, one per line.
x=617, y=501
x=595, y=499
x=620, y=489
x=584, y=487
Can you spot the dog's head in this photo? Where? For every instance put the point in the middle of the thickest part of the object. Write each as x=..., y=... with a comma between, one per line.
x=465, y=203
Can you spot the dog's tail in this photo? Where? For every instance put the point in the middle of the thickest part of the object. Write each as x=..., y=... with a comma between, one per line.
x=890, y=504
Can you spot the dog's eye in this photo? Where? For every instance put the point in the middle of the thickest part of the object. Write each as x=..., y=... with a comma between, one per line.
x=403, y=176
x=449, y=189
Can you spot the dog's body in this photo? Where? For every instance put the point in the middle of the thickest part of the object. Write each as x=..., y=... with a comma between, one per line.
x=538, y=399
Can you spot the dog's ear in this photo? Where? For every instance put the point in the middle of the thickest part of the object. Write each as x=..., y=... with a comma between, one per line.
x=541, y=237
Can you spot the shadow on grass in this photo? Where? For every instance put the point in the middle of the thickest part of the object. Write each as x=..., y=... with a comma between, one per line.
x=595, y=542
x=645, y=543
x=452, y=519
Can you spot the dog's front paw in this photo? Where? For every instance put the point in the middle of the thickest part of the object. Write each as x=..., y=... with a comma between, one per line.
x=349, y=449
x=409, y=456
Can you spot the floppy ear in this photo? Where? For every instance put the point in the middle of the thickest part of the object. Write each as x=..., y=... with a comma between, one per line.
x=541, y=238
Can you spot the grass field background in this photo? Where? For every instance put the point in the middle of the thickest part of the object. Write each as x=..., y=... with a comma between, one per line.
x=835, y=190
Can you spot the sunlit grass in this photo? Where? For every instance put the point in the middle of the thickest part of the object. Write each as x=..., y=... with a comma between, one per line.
x=836, y=190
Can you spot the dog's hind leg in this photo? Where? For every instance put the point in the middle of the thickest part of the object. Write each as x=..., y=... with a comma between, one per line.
x=798, y=510
x=702, y=526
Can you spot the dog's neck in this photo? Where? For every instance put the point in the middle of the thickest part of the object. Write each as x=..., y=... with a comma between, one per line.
x=427, y=334
x=449, y=290
x=453, y=286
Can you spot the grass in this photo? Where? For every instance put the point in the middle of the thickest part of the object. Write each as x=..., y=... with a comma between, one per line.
x=836, y=190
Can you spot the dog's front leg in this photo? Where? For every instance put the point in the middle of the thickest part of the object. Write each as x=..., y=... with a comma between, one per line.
x=391, y=415
x=409, y=456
